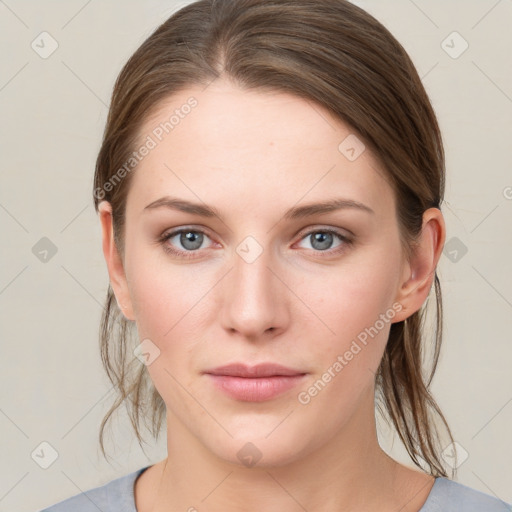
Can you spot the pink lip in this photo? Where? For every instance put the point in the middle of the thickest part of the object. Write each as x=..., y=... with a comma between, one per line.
x=255, y=383
x=255, y=389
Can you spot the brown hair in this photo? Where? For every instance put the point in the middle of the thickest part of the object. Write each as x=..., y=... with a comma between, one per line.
x=329, y=52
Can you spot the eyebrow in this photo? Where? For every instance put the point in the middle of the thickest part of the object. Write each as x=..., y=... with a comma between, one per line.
x=297, y=212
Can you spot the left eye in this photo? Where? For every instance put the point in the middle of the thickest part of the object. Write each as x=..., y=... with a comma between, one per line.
x=322, y=240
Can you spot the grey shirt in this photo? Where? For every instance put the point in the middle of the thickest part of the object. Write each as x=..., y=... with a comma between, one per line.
x=117, y=496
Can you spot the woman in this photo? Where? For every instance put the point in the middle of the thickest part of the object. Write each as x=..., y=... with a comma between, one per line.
x=269, y=190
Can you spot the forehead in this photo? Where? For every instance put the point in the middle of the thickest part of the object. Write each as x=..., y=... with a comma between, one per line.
x=223, y=142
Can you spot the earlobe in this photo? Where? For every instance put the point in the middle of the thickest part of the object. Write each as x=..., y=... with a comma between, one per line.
x=114, y=261
x=419, y=272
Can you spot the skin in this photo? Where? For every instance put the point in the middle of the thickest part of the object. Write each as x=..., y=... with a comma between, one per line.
x=253, y=155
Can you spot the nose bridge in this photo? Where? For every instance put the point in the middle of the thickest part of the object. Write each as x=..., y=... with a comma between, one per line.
x=251, y=267
x=253, y=302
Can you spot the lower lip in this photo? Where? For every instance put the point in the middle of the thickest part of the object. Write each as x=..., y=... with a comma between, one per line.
x=255, y=389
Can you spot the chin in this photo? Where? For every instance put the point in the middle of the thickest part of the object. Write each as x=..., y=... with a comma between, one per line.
x=255, y=448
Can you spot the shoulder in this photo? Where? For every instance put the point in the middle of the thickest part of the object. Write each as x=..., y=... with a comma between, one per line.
x=447, y=495
x=110, y=497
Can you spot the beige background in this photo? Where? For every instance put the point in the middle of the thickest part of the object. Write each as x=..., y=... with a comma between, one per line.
x=53, y=112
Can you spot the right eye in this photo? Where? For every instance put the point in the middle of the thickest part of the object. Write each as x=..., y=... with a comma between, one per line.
x=190, y=240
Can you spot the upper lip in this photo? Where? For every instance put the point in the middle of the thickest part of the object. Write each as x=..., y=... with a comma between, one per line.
x=259, y=370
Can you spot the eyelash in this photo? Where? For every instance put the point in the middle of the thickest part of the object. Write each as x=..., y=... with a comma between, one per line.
x=191, y=254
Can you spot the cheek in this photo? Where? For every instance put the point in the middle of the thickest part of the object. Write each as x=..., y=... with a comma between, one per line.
x=169, y=306
x=164, y=300
x=357, y=306
x=353, y=309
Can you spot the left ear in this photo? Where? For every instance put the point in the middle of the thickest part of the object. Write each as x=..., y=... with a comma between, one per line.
x=419, y=271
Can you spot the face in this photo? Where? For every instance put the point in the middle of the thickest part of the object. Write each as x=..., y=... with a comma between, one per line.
x=261, y=279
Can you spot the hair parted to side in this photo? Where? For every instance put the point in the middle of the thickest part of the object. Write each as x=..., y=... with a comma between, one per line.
x=334, y=54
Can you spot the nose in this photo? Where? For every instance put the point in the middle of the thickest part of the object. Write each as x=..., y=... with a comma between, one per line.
x=253, y=299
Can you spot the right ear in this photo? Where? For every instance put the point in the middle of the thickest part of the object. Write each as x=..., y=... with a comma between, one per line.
x=114, y=262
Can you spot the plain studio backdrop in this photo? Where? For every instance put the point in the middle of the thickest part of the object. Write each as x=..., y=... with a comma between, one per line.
x=59, y=63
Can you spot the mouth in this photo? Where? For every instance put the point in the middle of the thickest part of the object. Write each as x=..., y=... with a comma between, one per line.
x=255, y=383
x=259, y=370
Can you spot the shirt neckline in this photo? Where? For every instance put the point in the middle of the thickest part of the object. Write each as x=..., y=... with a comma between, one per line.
x=136, y=474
